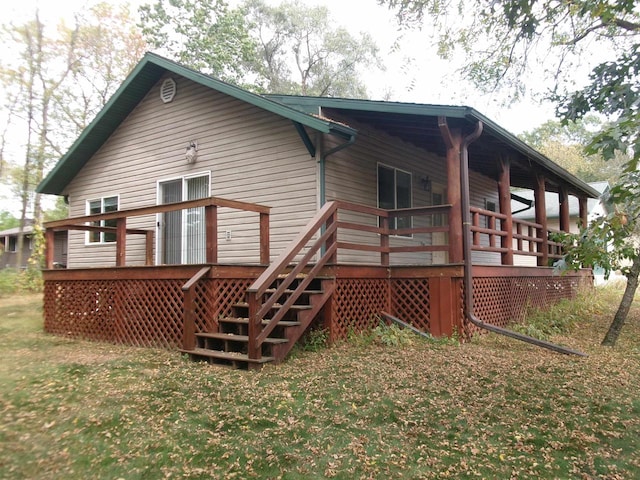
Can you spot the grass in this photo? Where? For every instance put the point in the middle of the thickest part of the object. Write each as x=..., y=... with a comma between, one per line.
x=491, y=408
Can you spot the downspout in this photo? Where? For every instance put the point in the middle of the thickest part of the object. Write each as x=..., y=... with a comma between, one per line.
x=322, y=162
x=466, y=246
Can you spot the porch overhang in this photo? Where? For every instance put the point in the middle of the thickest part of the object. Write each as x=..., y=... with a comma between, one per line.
x=418, y=124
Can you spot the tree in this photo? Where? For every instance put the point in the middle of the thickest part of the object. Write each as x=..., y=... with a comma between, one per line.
x=508, y=40
x=564, y=144
x=204, y=34
x=54, y=81
x=299, y=51
x=288, y=49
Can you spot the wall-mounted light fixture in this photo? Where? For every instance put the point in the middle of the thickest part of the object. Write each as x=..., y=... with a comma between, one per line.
x=426, y=183
x=192, y=151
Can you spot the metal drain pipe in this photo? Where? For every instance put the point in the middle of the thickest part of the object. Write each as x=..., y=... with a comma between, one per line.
x=466, y=246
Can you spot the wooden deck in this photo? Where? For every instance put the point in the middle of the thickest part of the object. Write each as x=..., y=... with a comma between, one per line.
x=265, y=309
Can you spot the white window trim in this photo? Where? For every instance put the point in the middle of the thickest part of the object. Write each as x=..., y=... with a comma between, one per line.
x=87, y=211
x=395, y=184
x=159, y=202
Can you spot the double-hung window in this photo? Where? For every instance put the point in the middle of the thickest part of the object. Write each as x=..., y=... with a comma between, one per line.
x=394, y=192
x=97, y=206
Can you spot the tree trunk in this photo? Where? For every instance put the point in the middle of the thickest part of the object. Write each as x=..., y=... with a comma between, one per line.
x=625, y=304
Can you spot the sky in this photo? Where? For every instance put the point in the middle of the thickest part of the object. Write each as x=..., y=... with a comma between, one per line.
x=426, y=79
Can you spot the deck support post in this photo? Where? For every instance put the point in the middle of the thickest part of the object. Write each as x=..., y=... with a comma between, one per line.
x=254, y=350
x=49, y=246
x=542, y=233
x=582, y=202
x=384, y=242
x=563, y=199
x=504, y=199
x=333, y=238
x=121, y=241
x=148, y=247
x=264, y=239
x=189, y=328
x=453, y=142
x=443, y=312
x=211, y=226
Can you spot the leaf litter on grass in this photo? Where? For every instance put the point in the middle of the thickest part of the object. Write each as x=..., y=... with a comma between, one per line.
x=491, y=408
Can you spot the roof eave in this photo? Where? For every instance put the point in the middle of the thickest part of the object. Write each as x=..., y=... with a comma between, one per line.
x=137, y=84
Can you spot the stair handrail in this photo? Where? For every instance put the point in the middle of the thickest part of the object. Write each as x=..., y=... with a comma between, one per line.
x=189, y=314
x=326, y=216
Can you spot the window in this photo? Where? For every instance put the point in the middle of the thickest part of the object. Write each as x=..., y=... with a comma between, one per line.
x=394, y=191
x=102, y=205
x=13, y=244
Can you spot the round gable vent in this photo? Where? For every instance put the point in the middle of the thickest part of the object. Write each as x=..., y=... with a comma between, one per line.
x=168, y=90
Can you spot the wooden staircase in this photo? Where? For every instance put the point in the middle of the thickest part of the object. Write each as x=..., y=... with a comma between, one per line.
x=229, y=345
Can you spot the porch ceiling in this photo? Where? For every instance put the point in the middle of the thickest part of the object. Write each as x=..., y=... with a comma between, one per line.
x=423, y=132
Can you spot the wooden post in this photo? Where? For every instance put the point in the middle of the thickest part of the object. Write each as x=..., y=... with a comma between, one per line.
x=563, y=198
x=333, y=238
x=582, y=202
x=121, y=241
x=504, y=199
x=49, y=236
x=442, y=310
x=148, y=241
x=453, y=142
x=264, y=239
x=384, y=242
x=189, y=328
x=541, y=218
x=254, y=351
x=211, y=227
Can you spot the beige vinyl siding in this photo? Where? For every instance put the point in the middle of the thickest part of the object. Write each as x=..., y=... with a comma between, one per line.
x=351, y=175
x=252, y=155
x=483, y=189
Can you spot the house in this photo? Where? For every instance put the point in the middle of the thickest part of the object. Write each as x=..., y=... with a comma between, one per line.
x=206, y=217
x=9, y=247
x=523, y=208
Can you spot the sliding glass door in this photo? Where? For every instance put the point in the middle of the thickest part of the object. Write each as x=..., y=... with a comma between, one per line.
x=182, y=236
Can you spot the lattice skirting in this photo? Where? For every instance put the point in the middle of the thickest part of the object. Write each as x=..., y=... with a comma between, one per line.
x=410, y=301
x=135, y=312
x=356, y=305
x=504, y=300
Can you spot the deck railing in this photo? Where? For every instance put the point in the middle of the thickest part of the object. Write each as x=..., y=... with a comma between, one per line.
x=324, y=226
x=529, y=238
x=210, y=205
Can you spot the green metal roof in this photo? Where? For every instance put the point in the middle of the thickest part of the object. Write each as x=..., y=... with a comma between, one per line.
x=417, y=124
x=143, y=77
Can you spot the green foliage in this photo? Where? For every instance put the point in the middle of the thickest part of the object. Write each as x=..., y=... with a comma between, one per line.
x=31, y=277
x=7, y=220
x=610, y=241
x=9, y=281
x=205, y=35
x=393, y=336
x=565, y=144
x=315, y=340
x=300, y=51
x=561, y=318
x=286, y=49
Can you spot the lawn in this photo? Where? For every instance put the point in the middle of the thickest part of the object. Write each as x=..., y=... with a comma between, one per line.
x=490, y=408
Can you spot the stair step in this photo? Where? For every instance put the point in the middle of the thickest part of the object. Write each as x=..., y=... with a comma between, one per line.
x=289, y=291
x=276, y=306
x=230, y=356
x=239, y=338
x=245, y=321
